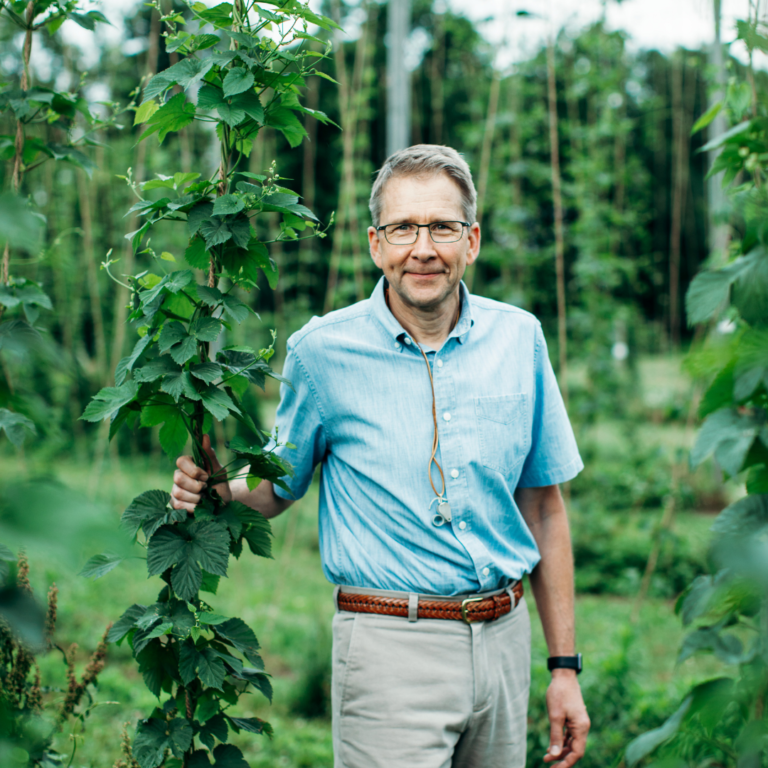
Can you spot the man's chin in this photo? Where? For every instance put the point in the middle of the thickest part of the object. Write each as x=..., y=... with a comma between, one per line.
x=425, y=297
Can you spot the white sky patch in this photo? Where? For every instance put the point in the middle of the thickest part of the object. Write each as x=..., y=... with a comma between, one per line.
x=651, y=24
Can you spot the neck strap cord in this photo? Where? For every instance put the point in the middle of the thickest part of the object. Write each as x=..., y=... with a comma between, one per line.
x=435, y=438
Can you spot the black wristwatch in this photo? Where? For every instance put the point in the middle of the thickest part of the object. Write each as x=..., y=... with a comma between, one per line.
x=565, y=662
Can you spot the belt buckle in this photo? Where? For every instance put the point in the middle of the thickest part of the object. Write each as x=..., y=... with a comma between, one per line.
x=464, y=603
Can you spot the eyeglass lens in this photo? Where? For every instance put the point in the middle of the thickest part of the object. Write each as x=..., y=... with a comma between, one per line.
x=440, y=231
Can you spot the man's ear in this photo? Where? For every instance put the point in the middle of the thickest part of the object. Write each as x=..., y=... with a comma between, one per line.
x=474, y=243
x=374, y=245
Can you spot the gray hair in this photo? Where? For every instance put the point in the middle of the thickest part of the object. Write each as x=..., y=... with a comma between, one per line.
x=426, y=160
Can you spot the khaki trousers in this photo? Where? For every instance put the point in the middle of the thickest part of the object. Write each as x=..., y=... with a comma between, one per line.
x=432, y=693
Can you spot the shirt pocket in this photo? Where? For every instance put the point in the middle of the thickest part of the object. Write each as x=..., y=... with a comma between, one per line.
x=503, y=427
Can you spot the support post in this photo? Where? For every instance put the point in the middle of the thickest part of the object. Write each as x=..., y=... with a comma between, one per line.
x=398, y=76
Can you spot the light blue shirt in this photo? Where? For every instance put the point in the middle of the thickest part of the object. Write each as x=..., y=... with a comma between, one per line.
x=362, y=407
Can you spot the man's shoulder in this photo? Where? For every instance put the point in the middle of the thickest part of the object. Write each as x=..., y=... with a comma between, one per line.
x=497, y=311
x=340, y=322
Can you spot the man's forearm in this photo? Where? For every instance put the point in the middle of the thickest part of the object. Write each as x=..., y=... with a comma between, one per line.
x=262, y=498
x=552, y=579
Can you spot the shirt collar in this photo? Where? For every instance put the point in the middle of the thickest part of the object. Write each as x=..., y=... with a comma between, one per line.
x=388, y=321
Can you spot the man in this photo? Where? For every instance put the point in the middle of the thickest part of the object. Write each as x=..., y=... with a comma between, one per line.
x=443, y=438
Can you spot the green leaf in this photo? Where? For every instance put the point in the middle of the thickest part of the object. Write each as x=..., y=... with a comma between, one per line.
x=648, y=742
x=174, y=115
x=149, y=511
x=258, y=679
x=227, y=204
x=726, y=647
x=745, y=517
x=217, y=402
x=210, y=583
x=215, y=232
x=185, y=350
x=203, y=543
x=180, y=736
x=206, y=328
x=157, y=665
x=20, y=226
x=125, y=623
x=155, y=369
x=145, y=111
x=188, y=71
x=108, y=400
x=208, y=619
x=89, y=19
x=241, y=231
x=150, y=742
x=229, y=756
x=230, y=114
x=251, y=105
x=220, y=15
x=100, y=565
x=285, y=121
x=211, y=669
x=750, y=289
x=238, y=634
x=236, y=309
x=16, y=426
x=238, y=79
x=198, y=759
x=718, y=141
x=173, y=436
x=196, y=254
x=188, y=661
x=179, y=383
x=719, y=394
x=215, y=728
x=728, y=435
x=210, y=97
x=172, y=333
x=207, y=372
x=249, y=724
x=710, y=289
x=197, y=215
x=707, y=117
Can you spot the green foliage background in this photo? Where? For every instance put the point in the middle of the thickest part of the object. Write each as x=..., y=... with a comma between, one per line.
x=621, y=115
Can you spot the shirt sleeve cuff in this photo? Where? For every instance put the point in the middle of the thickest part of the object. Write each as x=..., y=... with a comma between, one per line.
x=281, y=493
x=552, y=476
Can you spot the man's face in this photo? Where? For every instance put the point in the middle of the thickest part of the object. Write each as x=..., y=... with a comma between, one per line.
x=424, y=274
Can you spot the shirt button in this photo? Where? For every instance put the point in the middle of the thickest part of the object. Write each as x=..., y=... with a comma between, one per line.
x=462, y=525
x=446, y=416
x=486, y=571
x=454, y=473
x=439, y=363
x=407, y=340
x=397, y=345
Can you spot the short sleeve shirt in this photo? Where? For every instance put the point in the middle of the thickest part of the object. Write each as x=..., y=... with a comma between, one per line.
x=361, y=406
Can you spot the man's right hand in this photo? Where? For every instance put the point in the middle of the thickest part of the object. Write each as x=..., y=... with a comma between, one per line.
x=189, y=480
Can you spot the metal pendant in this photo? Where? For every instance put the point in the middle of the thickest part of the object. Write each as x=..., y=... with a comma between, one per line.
x=443, y=515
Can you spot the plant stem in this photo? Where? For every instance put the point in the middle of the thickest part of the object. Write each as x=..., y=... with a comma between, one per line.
x=18, y=171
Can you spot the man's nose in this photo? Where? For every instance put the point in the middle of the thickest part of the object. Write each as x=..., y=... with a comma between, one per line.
x=424, y=247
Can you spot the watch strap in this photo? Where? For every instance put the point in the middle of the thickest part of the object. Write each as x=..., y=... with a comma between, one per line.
x=565, y=662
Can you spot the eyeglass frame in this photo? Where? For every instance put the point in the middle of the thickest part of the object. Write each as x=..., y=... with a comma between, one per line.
x=419, y=226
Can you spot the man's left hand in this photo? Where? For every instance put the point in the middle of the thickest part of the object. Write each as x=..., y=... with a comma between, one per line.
x=568, y=719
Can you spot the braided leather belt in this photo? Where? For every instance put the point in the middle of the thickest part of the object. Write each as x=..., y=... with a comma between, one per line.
x=469, y=610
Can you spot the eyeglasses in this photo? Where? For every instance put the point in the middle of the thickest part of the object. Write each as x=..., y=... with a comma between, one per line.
x=439, y=231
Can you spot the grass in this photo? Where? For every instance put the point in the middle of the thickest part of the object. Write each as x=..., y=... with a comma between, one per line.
x=289, y=605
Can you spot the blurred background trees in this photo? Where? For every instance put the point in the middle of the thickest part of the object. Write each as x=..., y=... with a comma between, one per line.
x=639, y=221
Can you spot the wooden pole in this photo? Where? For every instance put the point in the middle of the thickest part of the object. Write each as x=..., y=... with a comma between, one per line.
x=679, y=186
x=398, y=76
x=557, y=202
x=120, y=310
